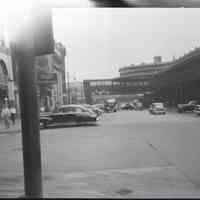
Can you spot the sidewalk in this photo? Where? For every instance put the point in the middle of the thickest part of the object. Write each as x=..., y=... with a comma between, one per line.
x=16, y=128
x=149, y=182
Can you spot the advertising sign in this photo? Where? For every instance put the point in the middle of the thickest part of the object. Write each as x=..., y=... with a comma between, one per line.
x=47, y=78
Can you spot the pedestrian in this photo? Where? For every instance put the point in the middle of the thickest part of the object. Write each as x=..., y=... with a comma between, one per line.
x=5, y=114
x=13, y=114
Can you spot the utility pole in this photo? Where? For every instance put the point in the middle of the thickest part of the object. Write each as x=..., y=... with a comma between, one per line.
x=24, y=49
x=29, y=116
x=68, y=85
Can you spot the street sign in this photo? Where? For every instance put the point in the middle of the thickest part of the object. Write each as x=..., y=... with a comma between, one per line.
x=47, y=78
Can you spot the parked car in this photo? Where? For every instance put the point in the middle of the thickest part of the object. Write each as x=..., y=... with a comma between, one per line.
x=100, y=106
x=127, y=106
x=157, y=108
x=190, y=106
x=110, y=105
x=68, y=115
x=94, y=109
x=197, y=110
x=138, y=105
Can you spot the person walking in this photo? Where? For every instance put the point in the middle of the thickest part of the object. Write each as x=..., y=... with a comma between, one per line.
x=13, y=114
x=5, y=114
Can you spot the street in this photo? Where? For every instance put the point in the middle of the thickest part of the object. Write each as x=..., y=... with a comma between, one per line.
x=128, y=154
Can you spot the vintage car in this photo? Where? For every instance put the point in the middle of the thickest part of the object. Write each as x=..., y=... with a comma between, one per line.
x=95, y=109
x=100, y=106
x=110, y=105
x=189, y=107
x=197, y=110
x=157, y=108
x=68, y=115
x=127, y=106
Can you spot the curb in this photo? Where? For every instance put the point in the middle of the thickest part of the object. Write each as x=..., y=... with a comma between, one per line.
x=10, y=131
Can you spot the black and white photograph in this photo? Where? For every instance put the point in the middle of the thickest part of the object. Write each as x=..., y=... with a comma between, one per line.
x=100, y=99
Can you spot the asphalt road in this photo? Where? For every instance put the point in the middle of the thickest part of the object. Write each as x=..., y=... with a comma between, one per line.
x=128, y=154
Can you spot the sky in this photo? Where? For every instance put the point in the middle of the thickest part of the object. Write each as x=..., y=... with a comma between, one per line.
x=99, y=41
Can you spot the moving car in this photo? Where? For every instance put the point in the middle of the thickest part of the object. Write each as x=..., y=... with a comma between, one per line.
x=68, y=115
x=190, y=106
x=157, y=108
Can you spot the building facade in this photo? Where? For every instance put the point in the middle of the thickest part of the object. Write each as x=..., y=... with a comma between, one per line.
x=174, y=82
x=181, y=82
x=52, y=93
x=76, y=92
x=8, y=89
x=134, y=82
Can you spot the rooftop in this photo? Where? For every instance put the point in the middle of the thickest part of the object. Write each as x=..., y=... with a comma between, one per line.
x=171, y=63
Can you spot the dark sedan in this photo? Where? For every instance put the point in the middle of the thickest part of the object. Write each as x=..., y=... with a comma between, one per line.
x=189, y=107
x=69, y=115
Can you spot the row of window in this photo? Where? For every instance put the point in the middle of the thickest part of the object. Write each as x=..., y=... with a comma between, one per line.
x=149, y=70
x=115, y=83
x=101, y=83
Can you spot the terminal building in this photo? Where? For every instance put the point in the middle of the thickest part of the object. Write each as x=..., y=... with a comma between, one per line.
x=134, y=82
x=176, y=81
x=181, y=82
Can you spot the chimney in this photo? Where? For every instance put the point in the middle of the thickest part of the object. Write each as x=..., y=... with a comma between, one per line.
x=157, y=59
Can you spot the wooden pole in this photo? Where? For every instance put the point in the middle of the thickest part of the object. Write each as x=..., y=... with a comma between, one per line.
x=24, y=54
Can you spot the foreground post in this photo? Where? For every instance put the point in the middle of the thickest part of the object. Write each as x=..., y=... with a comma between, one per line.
x=29, y=116
x=34, y=37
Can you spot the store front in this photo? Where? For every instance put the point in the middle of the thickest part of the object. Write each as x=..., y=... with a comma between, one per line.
x=3, y=83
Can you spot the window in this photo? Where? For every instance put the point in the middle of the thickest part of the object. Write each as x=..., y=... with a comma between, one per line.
x=78, y=110
x=67, y=109
x=140, y=83
x=135, y=83
x=94, y=83
x=116, y=83
x=108, y=83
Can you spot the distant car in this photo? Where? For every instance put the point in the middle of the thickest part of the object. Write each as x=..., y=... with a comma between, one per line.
x=197, y=110
x=138, y=105
x=190, y=106
x=110, y=105
x=68, y=115
x=157, y=108
x=127, y=106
